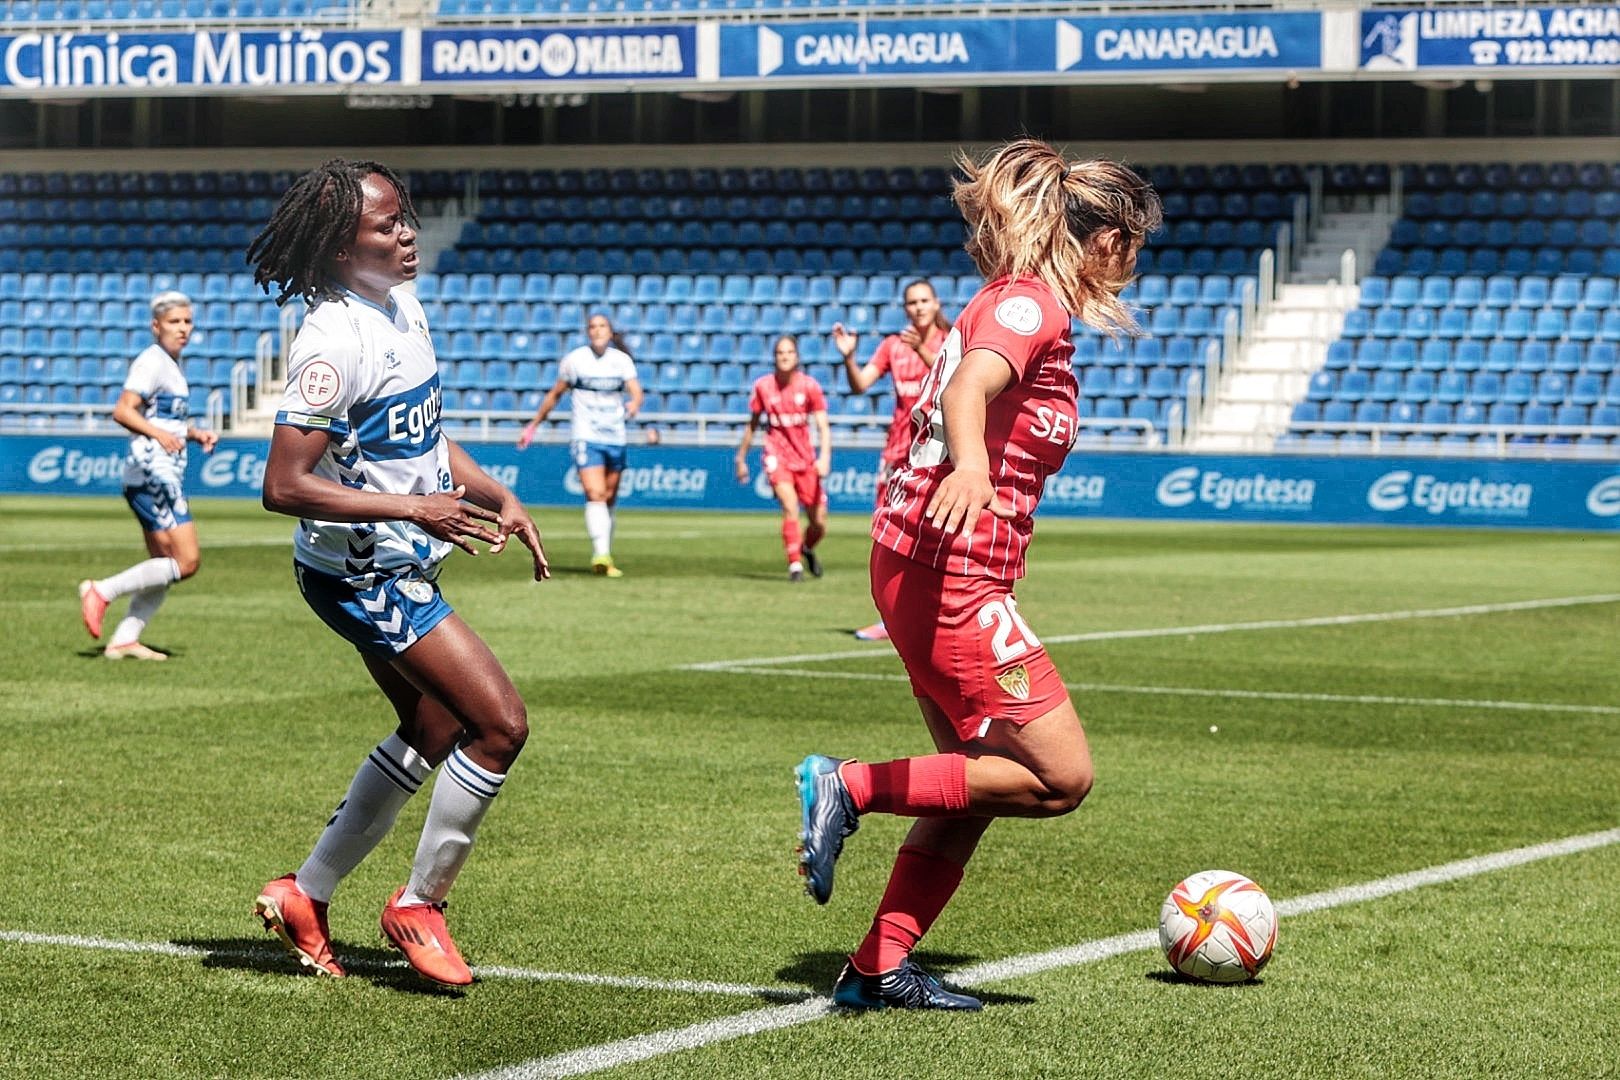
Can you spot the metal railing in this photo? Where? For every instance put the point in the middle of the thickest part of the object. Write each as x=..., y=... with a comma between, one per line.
x=724, y=429
x=1490, y=440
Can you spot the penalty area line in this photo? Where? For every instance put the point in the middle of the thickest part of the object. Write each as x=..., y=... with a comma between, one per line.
x=1201, y=629
x=482, y=971
x=1194, y=691
x=593, y=1059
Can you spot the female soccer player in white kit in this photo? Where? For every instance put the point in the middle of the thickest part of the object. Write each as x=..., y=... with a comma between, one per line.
x=153, y=408
x=604, y=394
x=381, y=496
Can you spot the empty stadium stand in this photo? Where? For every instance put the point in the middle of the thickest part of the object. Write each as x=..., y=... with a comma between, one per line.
x=1491, y=321
x=701, y=268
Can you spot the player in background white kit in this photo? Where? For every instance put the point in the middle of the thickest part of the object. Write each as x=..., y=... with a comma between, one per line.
x=381, y=495
x=604, y=394
x=153, y=407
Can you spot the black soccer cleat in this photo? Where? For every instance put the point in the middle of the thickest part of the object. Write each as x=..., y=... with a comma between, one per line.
x=906, y=987
x=826, y=817
x=811, y=562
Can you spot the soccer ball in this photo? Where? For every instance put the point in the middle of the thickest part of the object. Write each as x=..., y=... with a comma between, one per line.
x=1217, y=927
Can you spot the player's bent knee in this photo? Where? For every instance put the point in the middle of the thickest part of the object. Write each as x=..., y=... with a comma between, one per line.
x=188, y=565
x=503, y=737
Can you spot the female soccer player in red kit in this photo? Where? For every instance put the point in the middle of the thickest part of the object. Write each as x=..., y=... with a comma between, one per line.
x=786, y=403
x=907, y=356
x=1054, y=239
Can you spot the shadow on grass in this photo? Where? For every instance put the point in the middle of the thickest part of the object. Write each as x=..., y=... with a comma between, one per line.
x=1176, y=978
x=93, y=652
x=819, y=970
x=381, y=967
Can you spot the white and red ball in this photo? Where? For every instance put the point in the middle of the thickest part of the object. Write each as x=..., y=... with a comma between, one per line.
x=1217, y=927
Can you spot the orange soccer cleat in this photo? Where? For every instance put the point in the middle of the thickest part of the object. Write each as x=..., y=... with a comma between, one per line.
x=300, y=923
x=92, y=607
x=419, y=931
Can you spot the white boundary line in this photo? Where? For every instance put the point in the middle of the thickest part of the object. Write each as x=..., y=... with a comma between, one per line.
x=1194, y=691
x=592, y=1059
x=623, y=982
x=1205, y=628
x=286, y=541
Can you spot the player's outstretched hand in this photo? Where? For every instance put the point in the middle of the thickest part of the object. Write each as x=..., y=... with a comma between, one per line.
x=445, y=516
x=515, y=521
x=206, y=438
x=959, y=500
x=843, y=340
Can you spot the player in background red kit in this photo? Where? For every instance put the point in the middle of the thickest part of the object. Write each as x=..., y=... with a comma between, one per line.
x=1054, y=239
x=907, y=357
x=785, y=403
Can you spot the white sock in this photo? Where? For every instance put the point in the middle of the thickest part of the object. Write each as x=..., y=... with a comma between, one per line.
x=599, y=527
x=142, y=606
x=385, y=782
x=143, y=575
x=613, y=523
x=461, y=796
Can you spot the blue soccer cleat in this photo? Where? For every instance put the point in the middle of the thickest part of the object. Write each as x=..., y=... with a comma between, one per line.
x=826, y=816
x=906, y=987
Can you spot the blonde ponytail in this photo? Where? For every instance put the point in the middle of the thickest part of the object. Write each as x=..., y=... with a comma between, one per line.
x=1032, y=213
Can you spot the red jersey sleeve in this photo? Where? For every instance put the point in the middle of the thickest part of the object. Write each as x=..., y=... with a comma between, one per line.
x=880, y=356
x=756, y=400
x=1019, y=324
x=815, y=400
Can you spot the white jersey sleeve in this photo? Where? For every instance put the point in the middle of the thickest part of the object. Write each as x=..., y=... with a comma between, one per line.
x=145, y=372
x=322, y=379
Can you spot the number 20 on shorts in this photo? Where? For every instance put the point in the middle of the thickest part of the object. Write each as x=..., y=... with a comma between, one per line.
x=1012, y=637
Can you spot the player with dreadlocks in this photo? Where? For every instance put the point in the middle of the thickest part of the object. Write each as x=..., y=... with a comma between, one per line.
x=381, y=496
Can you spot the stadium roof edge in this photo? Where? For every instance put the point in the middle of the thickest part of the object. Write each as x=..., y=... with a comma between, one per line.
x=744, y=155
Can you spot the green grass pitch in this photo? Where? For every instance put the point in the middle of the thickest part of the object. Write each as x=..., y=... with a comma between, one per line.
x=647, y=832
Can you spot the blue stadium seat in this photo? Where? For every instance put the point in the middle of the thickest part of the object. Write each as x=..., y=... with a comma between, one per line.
x=1435, y=412
x=1353, y=385
x=1570, y=415
x=1418, y=387
x=1386, y=386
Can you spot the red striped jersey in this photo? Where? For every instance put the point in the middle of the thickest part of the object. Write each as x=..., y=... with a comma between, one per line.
x=1029, y=429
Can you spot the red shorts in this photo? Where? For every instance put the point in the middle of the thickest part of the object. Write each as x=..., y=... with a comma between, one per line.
x=806, y=481
x=964, y=644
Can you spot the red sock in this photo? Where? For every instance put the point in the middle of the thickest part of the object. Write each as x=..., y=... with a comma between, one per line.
x=920, y=886
x=792, y=539
x=932, y=786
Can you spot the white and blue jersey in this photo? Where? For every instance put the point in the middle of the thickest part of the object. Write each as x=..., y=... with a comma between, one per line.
x=153, y=477
x=596, y=387
x=367, y=377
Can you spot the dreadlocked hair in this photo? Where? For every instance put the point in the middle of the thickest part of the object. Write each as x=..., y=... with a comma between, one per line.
x=1032, y=213
x=316, y=217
